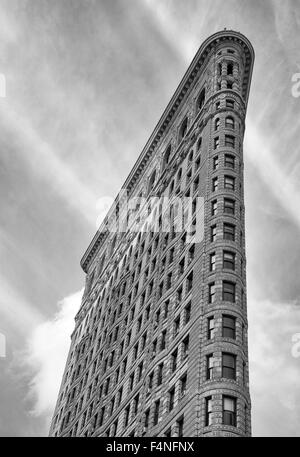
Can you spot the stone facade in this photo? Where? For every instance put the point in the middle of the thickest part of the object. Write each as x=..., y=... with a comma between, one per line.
x=160, y=341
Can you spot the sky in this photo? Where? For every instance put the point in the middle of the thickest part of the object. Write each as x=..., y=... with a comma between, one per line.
x=86, y=82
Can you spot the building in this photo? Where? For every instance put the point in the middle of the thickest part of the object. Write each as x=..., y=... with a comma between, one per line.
x=160, y=341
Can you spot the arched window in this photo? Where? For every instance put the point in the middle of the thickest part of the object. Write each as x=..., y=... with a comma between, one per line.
x=201, y=99
x=166, y=157
x=217, y=123
x=183, y=128
x=229, y=122
x=230, y=68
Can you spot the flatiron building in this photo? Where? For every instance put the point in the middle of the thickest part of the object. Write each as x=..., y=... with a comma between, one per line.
x=160, y=341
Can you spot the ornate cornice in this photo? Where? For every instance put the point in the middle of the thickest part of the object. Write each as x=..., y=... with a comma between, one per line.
x=168, y=115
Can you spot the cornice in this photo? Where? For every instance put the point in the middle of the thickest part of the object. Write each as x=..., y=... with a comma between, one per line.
x=168, y=115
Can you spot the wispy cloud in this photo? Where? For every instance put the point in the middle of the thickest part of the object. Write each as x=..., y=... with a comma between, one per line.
x=45, y=355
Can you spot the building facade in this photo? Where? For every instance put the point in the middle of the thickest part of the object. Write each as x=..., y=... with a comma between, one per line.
x=160, y=341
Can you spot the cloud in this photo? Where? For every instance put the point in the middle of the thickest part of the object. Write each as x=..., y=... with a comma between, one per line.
x=45, y=357
x=274, y=372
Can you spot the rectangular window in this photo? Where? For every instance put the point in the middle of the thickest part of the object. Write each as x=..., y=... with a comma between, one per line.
x=229, y=182
x=174, y=361
x=210, y=327
x=215, y=162
x=208, y=411
x=229, y=327
x=229, y=411
x=215, y=184
x=229, y=232
x=126, y=418
x=163, y=340
x=160, y=374
x=211, y=292
x=229, y=161
x=156, y=412
x=179, y=424
x=230, y=103
x=187, y=313
x=229, y=260
x=216, y=142
x=209, y=366
x=189, y=282
x=176, y=326
x=212, y=261
x=228, y=291
x=185, y=347
x=229, y=206
x=171, y=398
x=183, y=384
x=228, y=366
x=229, y=141
x=213, y=233
x=214, y=207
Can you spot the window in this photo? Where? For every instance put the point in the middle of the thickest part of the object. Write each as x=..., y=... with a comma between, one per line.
x=171, y=398
x=228, y=366
x=209, y=366
x=167, y=155
x=160, y=374
x=213, y=233
x=229, y=206
x=229, y=260
x=229, y=327
x=136, y=404
x=185, y=347
x=146, y=419
x=229, y=232
x=229, y=161
x=189, y=282
x=218, y=104
x=201, y=99
x=229, y=84
x=230, y=68
x=199, y=144
x=229, y=182
x=216, y=142
x=208, y=411
x=151, y=181
x=215, y=184
x=197, y=163
x=183, y=383
x=211, y=292
x=163, y=340
x=210, y=327
x=214, y=207
x=229, y=141
x=168, y=433
x=219, y=69
x=229, y=103
x=217, y=123
x=127, y=413
x=229, y=411
x=179, y=424
x=156, y=412
x=212, y=261
x=215, y=162
x=176, y=326
x=229, y=122
x=183, y=128
x=229, y=291
x=174, y=361
x=187, y=313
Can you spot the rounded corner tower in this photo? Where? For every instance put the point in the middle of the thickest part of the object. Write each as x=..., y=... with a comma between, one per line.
x=160, y=341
